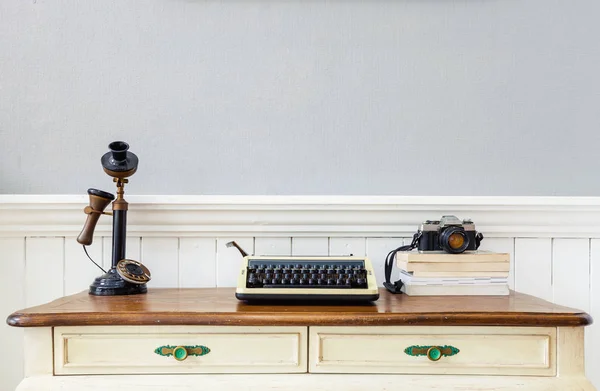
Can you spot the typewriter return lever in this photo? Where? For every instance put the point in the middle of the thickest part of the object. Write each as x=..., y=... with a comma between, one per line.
x=234, y=244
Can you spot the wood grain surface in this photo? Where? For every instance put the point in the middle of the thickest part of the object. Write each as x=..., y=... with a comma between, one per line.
x=218, y=306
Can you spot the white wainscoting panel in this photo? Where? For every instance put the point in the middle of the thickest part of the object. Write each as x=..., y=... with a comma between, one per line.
x=554, y=244
x=197, y=262
x=44, y=270
x=347, y=246
x=161, y=256
x=502, y=245
x=273, y=246
x=12, y=294
x=310, y=246
x=533, y=267
x=571, y=273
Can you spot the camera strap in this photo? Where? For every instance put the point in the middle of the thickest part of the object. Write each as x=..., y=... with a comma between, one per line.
x=389, y=265
x=478, y=239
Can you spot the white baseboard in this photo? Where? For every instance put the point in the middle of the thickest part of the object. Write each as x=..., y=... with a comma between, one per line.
x=360, y=216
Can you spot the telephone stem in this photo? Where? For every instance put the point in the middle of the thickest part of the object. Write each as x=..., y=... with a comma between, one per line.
x=120, y=207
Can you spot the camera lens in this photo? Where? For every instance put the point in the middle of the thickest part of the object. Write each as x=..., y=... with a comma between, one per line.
x=453, y=240
x=456, y=240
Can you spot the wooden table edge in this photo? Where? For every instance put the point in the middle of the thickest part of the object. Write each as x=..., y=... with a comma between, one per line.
x=538, y=319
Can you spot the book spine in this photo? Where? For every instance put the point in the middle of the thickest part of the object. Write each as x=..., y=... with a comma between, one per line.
x=491, y=290
x=454, y=267
x=443, y=257
x=460, y=274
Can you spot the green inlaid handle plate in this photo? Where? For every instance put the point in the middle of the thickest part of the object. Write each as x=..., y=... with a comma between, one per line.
x=180, y=353
x=433, y=353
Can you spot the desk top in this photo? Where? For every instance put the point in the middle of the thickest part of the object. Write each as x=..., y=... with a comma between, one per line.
x=218, y=306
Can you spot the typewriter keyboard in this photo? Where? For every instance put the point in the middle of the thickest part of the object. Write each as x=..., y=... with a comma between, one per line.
x=307, y=274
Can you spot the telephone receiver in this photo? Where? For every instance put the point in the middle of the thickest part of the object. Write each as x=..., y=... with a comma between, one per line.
x=99, y=200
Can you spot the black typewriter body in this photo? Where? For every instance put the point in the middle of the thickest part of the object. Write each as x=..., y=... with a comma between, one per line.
x=269, y=278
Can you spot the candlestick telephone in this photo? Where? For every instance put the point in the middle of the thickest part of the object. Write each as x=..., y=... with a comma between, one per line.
x=126, y=276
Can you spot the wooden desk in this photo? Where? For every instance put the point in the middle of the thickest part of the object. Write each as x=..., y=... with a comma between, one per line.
x=443, y=343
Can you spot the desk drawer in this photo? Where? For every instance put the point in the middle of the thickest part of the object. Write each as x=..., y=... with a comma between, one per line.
x=460, y=350
x=203, y=349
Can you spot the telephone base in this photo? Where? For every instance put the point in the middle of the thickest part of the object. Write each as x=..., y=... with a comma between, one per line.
x=111, y=284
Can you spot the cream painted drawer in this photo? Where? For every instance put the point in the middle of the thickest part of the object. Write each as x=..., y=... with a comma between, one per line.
x=481, y=350
x=131, y=349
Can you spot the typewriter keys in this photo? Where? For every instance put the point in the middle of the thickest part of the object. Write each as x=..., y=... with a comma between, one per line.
x=133, y=271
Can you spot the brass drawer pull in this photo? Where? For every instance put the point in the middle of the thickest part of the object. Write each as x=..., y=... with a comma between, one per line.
x=180, y=353
x=433, y=353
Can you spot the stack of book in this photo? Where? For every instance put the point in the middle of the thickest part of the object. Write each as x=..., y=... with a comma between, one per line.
x=442, y=274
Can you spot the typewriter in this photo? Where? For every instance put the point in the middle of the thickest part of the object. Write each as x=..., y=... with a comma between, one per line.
x=275, y=278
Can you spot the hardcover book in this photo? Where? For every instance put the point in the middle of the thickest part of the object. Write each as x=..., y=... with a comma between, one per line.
x=444, y=257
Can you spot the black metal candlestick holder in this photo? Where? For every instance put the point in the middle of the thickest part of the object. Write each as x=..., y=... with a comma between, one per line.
x=126, y=276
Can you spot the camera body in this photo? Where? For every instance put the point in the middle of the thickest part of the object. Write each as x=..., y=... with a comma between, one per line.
x=448, y=234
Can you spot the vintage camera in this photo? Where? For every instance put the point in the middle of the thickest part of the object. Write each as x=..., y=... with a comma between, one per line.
x=448, y=234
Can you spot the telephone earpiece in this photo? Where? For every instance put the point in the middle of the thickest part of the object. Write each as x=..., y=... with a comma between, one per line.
x=99, y=200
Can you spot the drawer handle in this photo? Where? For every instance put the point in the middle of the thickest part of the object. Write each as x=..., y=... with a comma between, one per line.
x=433, y=353
x=180, y=353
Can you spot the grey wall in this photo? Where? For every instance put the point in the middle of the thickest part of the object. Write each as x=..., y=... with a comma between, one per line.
x=425, y=97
